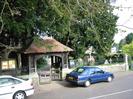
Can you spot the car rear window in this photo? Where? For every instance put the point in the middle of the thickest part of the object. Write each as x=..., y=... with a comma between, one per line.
x=79, y=70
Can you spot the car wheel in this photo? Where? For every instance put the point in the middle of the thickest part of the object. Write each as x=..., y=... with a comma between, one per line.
x=109, y=79
x=19, y=95
x=87, y=83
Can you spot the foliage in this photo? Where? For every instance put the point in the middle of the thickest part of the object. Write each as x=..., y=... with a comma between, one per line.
x=76, y=23
x=17, y=24
x=41, y=63
x=127, y=40
x=18, y=18
x=81, y=23
x=128, y=49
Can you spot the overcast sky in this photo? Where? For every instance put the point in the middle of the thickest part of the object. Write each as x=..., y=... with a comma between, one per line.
x=125, y=21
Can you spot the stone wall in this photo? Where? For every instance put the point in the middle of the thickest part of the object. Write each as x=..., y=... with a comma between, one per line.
x=114, y=68
x=108, y=68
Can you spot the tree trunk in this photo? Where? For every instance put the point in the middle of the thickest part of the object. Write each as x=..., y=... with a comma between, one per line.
x=6, y=54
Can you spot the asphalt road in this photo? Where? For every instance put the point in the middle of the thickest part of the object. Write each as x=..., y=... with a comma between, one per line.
x=120, y=88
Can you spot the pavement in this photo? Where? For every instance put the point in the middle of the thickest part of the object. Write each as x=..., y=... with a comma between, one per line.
x=41, y=88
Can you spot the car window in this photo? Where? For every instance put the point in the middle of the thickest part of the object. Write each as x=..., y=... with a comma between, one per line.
x=5, y=82
x=79, y=70
x=91, y=71
x=16, y=81
x=8, y=81
x=88, y=72
x=98, y=70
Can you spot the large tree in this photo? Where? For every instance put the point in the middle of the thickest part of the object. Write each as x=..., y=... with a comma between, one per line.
x=17, y=24
x=81, y=23
x=128, y=49
x=127, y=40
x=76, y=23
x=126, y=44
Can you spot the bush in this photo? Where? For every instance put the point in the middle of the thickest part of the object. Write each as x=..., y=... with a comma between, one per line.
x=41, y=63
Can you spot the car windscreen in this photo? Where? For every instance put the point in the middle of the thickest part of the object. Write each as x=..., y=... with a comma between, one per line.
x=79, y=70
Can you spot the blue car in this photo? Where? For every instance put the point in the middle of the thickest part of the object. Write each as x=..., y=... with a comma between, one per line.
x=87, y=75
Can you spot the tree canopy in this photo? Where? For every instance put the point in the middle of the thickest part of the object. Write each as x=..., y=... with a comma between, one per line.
x=127, y=45
x=81, y=23
x=76, y=23
x=17, y=23
x=127, y=40
x=128, y=49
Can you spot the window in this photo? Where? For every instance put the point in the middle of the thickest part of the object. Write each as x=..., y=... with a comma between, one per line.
x=16, y=81
x=8, y=64
x=79, y=70
x=86, y=72
x=8, y=82
x=92, y=71
x=98, y=70
x=5, y=82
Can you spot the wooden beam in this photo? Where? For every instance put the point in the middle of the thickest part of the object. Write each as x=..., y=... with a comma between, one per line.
x=29, y=60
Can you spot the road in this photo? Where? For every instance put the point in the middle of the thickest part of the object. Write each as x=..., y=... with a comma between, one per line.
x=120, y=88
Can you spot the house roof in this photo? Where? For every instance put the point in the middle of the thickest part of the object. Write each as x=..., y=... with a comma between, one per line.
x=47, y=45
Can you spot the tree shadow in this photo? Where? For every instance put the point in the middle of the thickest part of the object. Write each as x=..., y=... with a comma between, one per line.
x=67, y=84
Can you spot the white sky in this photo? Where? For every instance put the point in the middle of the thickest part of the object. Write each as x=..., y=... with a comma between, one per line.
x=125, y=13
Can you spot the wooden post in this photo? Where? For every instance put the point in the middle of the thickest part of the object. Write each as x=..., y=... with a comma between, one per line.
x=51, y=61
x=34, y=64
x=29, y=64
x=18, y=70
x=66, y=59
x=19, y=61
x=62, y=65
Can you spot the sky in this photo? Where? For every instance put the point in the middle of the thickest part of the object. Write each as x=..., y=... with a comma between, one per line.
x=125, y=21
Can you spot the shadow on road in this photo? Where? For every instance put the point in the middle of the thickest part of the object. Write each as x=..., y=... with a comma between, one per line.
x=67, y=84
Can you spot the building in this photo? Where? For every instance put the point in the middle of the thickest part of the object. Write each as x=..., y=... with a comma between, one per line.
x=26, y=60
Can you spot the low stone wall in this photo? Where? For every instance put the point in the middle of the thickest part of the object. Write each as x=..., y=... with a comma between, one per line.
x=108, y=68
x=114, y=68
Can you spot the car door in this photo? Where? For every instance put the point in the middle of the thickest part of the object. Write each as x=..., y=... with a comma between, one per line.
x=97, y=75
x=100, y=75
x=6, y=88
x=92, y=75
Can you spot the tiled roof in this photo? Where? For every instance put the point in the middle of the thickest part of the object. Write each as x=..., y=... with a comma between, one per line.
x=47, y=45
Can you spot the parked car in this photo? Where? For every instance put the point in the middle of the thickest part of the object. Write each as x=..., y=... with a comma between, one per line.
x=15, y=88
x=87, y=75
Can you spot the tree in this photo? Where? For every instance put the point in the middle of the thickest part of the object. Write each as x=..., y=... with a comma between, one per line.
x=127, y=40
x=128, y=49
x=17, y=24
x=81, y=23
x=76, y=23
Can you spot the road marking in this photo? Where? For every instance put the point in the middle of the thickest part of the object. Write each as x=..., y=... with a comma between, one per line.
x=111, y=94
